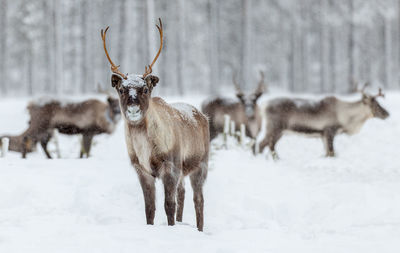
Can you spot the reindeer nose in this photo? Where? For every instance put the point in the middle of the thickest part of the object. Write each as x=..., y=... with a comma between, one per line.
x=134, y=109
x=133, y=100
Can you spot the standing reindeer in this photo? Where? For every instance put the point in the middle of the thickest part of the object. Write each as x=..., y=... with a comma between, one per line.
x=167, y=141
x=245, y=111
x=89, y=118
x=325, y=118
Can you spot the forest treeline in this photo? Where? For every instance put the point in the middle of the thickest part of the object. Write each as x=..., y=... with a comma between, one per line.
x=319, y=46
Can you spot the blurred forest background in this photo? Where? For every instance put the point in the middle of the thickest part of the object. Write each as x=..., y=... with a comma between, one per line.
x=51, y=46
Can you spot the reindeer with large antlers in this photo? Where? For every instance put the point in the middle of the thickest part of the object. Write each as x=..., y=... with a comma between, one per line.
x=167, y=141
x=242, y=111
x=325, y=118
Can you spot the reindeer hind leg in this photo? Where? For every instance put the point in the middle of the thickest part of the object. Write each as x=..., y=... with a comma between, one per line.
x=197, y=180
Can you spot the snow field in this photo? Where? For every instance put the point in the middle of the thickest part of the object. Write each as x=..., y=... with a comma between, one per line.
x=304, y=202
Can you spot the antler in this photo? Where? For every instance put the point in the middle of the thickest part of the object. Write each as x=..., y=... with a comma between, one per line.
x=148, y=69
x=261, y=87
x=354, y=85
x=362, y=90
x=239, y=92
x=380, y=94
x=114, y=68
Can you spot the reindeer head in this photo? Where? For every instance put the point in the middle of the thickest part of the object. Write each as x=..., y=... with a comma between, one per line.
x=371, y=101
x=113, y=104
x=134, y=91
x=249, y=102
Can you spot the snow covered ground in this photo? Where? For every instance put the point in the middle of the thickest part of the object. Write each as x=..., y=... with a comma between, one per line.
x=302, y=203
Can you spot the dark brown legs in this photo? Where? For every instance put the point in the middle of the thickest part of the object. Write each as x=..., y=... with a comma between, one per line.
x=43, y=143
x=149, y=194
x=273, y=136
x=44, y=140
x=181, y=200
x=170, y=181
x=328, y=137
x=174, y=190
x=86, y=145
x=197, y=180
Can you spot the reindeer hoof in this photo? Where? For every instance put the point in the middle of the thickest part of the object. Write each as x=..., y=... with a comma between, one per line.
x=330, y=154
x=275, y=156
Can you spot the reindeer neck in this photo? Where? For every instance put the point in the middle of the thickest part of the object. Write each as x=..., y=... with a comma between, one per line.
x=159, y=124
x=353, y=115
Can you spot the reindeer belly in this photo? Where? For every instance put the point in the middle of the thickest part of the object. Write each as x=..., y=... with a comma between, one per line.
x=309, y=123
x=304, y=130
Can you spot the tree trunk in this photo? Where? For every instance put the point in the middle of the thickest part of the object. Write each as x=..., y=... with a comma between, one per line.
x=387, y=52
x=84, y=55
x=58, y=45
x=245, y=67
x=324, y=48
x=150, y=23
x=122, y=32
x=181, y=46
x=351, y=47
x=213, y=44
x=3, y=47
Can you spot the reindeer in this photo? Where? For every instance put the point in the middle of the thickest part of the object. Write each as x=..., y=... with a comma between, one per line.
x=167, y=141
x=15, y=143
x=325, y=118
x=244, y=111
x=89, y=118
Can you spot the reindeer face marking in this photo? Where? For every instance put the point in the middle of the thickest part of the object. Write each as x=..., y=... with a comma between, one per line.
x=134, y=95
x=249, y=104
x=376, y=109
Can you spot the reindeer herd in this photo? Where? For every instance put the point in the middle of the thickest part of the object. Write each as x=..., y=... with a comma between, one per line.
x=172, y=141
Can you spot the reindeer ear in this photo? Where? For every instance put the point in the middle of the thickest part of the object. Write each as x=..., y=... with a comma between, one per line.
x=116, y=80
x=109, y=100
x=151, y=81
x=239, y=95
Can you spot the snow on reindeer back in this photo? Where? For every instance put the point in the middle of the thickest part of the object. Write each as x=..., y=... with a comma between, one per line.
x=186, y=110
x=43, y=100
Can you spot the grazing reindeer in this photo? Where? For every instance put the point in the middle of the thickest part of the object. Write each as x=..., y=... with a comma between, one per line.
x=15, y=143
x=89, y=118
x=325, y=118
x=167, y=141
x=245, y=111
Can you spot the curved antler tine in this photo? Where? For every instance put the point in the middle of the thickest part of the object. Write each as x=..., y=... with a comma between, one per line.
x=236, y=84
x=150, y=67
x=261, y=87
x=114, y=68
x=362, y=90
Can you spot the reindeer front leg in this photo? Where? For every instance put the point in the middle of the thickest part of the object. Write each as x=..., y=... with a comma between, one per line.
x=328, y=138
x=181, y=199
x=149, y=193
x=170, y=180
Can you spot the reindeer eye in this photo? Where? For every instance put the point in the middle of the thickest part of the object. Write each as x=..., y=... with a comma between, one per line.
x=145, y=90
